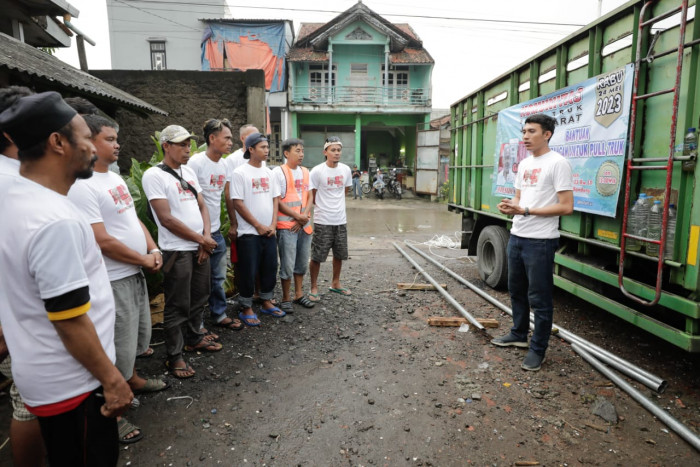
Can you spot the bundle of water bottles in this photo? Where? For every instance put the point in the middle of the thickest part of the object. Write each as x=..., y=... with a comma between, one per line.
x=645, y=218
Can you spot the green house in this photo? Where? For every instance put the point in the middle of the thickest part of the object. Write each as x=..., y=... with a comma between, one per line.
x=364, y=79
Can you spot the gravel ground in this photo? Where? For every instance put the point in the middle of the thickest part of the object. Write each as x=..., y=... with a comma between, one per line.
x=363, y=380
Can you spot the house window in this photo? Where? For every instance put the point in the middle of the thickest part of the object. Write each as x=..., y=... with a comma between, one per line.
x=319, y=89
x=396, y=81
x=358, y=68
x=158, y=55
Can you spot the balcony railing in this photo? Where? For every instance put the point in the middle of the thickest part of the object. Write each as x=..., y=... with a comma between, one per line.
x=361, y=95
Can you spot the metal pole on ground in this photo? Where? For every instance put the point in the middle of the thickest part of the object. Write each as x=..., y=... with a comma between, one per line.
x=648, y=379
x=442, y=291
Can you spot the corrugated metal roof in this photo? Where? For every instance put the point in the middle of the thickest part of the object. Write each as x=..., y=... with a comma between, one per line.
x=23, y=58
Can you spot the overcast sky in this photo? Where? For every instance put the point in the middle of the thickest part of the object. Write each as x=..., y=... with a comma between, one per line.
x=467, y=53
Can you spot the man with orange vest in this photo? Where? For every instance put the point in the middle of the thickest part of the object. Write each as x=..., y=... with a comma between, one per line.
x=293, y=223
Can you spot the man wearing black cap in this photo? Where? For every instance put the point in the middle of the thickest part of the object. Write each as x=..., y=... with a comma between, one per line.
x=56, y=305
x=255, y=197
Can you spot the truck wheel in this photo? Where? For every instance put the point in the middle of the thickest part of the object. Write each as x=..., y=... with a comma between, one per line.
x=492, y=258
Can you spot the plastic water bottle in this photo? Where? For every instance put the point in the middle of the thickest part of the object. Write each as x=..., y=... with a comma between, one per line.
x=690, y=148
x=670, y=232
x=655, y=217
x=638, y=219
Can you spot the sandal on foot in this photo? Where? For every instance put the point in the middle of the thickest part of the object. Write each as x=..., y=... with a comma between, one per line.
x=287, y=307
x=229, y=323
x=126, y=428
x=314, y=297
x=341, y=291
x=259, y=301
x=182, y=367
x=149, y=352
x=305, y=302
x=204, y=346
x=247, y=319
x=274, y=312
x=152, y=385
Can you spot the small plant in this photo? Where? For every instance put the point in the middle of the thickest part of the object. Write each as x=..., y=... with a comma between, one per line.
x=444, y=191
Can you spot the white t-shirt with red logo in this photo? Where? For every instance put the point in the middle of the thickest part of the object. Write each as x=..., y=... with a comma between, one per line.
x=105, y=198
x=281, y=181
x=212, y=177
x=235, y=160
x=159, y=184
x=330, y=184
x=257, y=188
x=539, y=179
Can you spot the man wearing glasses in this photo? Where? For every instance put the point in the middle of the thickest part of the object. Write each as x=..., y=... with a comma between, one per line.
x=329, y=182
x=212, y=174
x=184, y=236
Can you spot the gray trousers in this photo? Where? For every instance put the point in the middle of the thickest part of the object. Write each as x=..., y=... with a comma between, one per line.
x=186, y=286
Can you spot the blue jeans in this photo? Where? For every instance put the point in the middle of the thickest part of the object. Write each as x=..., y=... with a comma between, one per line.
x=356, y=188
x=294, y=248
x=256, y=254
x=217, y=261
x=530, y=283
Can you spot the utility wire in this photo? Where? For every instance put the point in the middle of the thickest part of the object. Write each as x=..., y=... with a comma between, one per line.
x=268, y=8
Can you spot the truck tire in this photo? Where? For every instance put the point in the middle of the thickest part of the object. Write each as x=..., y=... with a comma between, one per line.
x=492, y=258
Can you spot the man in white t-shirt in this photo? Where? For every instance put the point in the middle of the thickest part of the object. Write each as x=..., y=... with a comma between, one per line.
x=126, y=246
x=212, y=174
x=56, y=304
x=184, y=235
x=255, y=197
x=330, y=181
x=294, y=227
x=232, y=162
x=543, y=192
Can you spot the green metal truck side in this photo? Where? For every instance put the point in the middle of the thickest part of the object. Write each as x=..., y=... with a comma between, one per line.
x=587, y=261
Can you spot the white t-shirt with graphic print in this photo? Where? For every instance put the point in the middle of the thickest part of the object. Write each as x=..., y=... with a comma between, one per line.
x=330, y=184
x=257, y=188
x=159, y=184
x=105, y=198
x=212, y=177
x=539, y=179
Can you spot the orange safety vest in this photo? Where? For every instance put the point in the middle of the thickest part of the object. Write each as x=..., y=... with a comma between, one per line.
x=291, y=199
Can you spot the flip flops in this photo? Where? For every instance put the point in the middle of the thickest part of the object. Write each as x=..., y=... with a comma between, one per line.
x=305, y=302
x=173, y=369
x=152, y=385
x=274, y=312
x=341, y=291
x=204, y=346
x=314, y=297
x=148, y=353
x=228, y=323
x=246, y=319
x=125, y=427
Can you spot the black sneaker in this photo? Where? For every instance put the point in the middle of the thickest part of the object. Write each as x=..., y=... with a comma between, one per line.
x=532, y=361
x=509, y=340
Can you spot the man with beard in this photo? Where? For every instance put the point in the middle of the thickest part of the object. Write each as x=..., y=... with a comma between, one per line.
x=184, y=235
x=127, y=247
x=56, y=304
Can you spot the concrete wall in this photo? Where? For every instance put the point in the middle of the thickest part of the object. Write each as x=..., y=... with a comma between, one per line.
x=133, y=23
x=190, y=98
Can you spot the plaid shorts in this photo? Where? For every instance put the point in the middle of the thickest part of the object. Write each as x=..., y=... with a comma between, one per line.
x=326, y=237
x=19, y=410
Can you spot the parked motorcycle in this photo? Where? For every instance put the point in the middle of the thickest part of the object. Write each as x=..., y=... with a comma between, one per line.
x=392, y=184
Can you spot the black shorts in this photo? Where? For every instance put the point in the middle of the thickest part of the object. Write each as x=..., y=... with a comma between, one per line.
x=327, y=237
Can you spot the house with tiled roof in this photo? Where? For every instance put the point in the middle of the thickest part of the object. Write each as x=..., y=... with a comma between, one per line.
x=364, y=79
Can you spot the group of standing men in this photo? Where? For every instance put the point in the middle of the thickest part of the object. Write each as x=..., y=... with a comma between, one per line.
x=74, y=304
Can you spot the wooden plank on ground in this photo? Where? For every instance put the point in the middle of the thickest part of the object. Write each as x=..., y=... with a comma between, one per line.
x=412, y=286
x=458, y=321
x=157, y=306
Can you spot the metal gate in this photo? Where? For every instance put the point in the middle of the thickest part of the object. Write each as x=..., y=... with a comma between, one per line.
x=427, y=160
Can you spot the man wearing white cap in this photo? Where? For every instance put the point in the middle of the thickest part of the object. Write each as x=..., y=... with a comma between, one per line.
x=184, y=236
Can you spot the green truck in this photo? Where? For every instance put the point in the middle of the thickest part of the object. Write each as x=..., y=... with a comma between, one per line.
x=625, y=92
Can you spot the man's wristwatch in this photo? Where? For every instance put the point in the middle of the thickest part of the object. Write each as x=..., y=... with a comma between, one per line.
x=527, y=212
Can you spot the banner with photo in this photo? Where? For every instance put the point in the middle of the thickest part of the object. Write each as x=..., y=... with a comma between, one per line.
x=591, y=132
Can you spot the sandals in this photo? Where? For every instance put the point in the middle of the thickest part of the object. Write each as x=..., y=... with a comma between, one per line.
x=228, y=323
x=204, y=346
x=274, y=312
x=341, y=291
x=305, y=302
x=247, y=319
x=148, y=353
x=125, y=428
x=183, y=371
x=152, y=385
x=314, y=298
x=210, y=336
x=287, y=307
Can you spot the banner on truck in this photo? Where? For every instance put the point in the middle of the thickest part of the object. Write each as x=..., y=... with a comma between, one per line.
x=591, y=132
